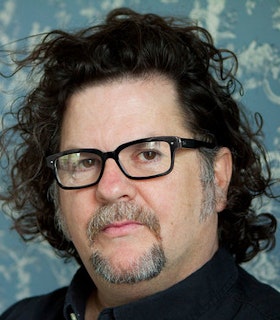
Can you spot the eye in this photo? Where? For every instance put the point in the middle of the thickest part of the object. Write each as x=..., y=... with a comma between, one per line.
x=88, y=163
x=149, y=155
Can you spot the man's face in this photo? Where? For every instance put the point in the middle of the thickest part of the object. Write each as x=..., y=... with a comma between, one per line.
x=169, y=238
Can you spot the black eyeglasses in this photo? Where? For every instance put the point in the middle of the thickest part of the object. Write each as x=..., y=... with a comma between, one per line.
x=139, y=159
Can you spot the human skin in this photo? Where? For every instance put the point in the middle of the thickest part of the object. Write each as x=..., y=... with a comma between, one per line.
x=103, y=116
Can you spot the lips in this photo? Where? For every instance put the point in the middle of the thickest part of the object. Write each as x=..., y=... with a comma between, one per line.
x=122, y=219
x=121, y=228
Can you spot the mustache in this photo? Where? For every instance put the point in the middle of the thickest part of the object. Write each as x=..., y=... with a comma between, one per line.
x=122, y=211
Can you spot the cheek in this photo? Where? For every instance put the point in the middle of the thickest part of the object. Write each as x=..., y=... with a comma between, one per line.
x=177, y=203
x=77, y=212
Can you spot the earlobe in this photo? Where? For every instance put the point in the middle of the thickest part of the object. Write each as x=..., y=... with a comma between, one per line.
x=222, y=172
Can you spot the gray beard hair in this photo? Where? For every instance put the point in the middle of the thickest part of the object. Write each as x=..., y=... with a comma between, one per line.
x=147, y=266
x=151, y=263
x=211, y=192
x=59, y=219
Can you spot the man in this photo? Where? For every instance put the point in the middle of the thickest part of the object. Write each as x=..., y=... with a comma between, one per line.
x=136, y=160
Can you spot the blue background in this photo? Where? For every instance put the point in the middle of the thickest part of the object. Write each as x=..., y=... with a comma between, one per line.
x=251, y=28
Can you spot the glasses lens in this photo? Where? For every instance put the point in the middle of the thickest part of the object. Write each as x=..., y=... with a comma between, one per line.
x=146, y=159
x=78, y=169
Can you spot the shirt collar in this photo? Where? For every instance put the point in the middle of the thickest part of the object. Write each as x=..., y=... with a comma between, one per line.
x=192, y=296
x=77, y=294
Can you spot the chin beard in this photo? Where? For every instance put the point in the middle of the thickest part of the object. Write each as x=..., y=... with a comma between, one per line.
x=146, y=267
x=142, y=268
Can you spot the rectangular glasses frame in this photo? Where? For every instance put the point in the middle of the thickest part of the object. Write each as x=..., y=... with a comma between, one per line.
x=174, y=142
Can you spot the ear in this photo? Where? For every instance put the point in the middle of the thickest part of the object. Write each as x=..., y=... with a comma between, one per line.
x=222, y=172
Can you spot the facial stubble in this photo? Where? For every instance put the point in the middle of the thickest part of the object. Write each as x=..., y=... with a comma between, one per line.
x=146, y=266
x=152, y=262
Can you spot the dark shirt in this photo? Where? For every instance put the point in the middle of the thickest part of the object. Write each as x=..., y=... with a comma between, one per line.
x=218, y=290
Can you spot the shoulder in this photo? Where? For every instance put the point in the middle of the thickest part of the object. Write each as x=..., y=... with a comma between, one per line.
x=50, y=305
x=257, y=297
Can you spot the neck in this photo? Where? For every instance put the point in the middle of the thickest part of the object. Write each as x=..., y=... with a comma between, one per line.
x=112, y=295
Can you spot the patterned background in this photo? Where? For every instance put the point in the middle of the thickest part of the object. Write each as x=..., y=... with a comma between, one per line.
x=249, y=27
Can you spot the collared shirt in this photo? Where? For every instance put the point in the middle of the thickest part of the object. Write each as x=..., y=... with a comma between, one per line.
x=220, y=290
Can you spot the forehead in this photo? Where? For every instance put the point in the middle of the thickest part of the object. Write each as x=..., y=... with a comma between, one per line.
x=124, y=109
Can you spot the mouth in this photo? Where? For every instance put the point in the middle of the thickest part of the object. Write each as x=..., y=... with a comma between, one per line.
x=122, y=219
x=121, y=228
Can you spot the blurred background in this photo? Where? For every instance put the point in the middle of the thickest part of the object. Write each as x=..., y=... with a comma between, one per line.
x=251, y=28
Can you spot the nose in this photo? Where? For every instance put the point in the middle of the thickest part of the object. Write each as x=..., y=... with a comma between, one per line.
x=114, y=185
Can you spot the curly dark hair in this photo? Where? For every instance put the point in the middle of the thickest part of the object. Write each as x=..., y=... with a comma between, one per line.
x=129, y=43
